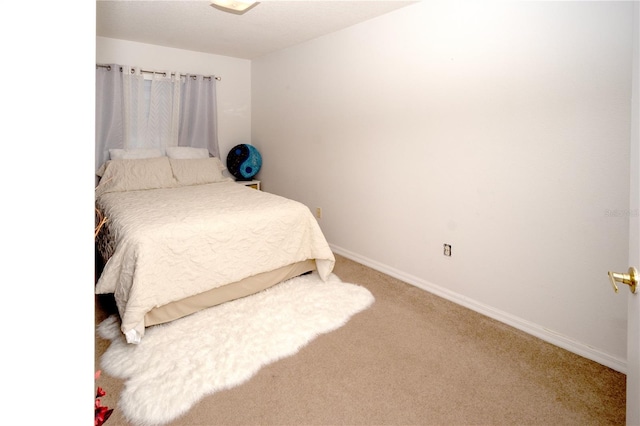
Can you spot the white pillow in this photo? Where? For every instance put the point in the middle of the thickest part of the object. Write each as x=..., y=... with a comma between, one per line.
x=197, y=171
x=137, y=174
x=135, y=153
x=100, y=171
x=221, y=166
x=186, y=152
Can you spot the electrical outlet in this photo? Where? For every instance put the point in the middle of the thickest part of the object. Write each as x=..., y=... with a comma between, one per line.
x=319, y=212
x=447, y=249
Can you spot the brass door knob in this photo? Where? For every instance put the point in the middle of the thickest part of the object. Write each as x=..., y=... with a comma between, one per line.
x=630, y=279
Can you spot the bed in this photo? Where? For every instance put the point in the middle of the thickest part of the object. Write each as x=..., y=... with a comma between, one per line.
x=180, y=237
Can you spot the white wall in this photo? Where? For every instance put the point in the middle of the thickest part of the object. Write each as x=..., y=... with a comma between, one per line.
x=502, y=129
x=233, y=91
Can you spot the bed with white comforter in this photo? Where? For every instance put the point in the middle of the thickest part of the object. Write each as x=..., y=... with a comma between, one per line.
x=177, y=237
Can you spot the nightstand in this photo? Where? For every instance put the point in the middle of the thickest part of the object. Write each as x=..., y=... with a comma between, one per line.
x=255, y=184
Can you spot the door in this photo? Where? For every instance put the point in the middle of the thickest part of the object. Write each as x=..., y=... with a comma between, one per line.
x=630, y=278
x=633, y=317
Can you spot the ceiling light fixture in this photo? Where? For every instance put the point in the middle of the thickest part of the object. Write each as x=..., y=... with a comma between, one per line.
x=234, y=5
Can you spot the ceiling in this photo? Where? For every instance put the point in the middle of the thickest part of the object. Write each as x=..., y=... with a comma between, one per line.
x=267, y=27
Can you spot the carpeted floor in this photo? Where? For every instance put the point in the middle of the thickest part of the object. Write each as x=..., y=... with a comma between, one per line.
x=412, y=358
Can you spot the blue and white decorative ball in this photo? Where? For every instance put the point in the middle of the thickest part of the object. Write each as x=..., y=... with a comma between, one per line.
x=244, y=161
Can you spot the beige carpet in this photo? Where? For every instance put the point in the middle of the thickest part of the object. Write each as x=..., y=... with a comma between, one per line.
x=410, y=359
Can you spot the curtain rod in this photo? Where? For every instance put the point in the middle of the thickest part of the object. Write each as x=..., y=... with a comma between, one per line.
x=156, y=72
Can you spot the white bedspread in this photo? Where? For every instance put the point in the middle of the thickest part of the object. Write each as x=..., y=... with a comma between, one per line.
x=177, y=242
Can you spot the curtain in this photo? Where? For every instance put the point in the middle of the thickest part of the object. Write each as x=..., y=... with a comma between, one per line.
x=137, y=110
x=109, y=112
x=198, y=117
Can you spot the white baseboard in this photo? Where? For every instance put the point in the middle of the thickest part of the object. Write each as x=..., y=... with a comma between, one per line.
x=528, y=327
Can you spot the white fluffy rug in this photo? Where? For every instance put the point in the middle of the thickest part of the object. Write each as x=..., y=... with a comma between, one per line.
x=178, y=363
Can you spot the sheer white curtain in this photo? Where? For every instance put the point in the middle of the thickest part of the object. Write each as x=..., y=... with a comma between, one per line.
x=136, y=109
x=198, y=118
x=151, y=108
